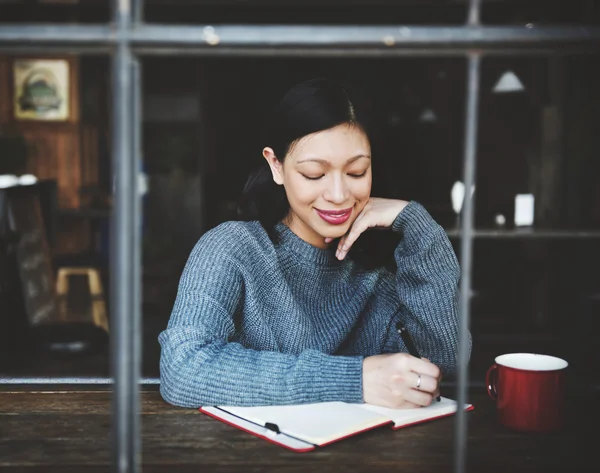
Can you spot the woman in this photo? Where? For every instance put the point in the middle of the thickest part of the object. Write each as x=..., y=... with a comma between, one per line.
x=279, y=310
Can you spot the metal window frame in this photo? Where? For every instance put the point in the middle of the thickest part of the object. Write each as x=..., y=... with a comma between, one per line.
x=128, y=36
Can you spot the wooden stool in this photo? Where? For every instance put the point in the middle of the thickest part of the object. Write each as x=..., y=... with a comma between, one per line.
x=99, y=317
x=74, y=332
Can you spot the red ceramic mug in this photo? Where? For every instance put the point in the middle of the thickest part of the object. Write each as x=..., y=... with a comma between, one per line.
x=529, y=391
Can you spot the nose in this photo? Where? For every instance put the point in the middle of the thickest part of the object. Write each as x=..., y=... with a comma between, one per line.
x=337, y=190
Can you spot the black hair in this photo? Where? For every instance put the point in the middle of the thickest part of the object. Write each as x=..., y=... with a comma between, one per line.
x=309, y=107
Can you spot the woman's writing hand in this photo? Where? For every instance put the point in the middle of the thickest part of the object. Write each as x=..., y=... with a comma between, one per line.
x=400, y=381
x=376, y=213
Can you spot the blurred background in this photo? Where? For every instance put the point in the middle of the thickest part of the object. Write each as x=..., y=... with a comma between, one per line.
x=536, y=285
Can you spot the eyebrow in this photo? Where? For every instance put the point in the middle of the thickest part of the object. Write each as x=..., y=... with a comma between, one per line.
x=323, y=161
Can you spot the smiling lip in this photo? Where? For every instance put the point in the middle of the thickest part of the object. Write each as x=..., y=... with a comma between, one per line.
x=335, y=217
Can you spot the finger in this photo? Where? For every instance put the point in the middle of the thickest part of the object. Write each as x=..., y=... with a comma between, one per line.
x=422, y=382
x=340, y=244
x=344, y=238
x=328, y=239
x=440, y=376
x=419, y=397
x=357, y=229
x=419, y=365
x=399, y=401
x=359, y=217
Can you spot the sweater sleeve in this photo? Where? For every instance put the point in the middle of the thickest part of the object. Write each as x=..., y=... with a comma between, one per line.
x=201, y=365
x=427, y=278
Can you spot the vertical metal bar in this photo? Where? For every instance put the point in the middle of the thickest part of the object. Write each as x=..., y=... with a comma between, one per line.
x=466, y=242
x=136, y=120
x=474, y=18
x=137, y=12
x=466, y=250
x=123, y=358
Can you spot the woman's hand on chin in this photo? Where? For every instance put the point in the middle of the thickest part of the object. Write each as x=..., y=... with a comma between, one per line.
x=376, y=213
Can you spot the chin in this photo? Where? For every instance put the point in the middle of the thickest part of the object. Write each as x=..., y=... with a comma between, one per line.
x=337, y=232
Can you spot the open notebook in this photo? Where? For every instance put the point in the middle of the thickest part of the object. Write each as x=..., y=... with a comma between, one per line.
x=303, y=427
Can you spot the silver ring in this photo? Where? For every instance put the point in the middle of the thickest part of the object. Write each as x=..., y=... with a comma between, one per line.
x=418, y=381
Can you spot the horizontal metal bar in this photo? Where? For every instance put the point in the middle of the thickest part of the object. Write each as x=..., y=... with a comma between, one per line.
x=352, y=36
x=56, y=34
x=53, y=50
x=42, y=50
x=74, y=380
x=344, y=52
x=309, y=40
x=529, y=233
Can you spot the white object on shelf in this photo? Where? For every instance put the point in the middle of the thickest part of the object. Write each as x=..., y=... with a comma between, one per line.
x=500, y=220
x=509, y=82
x=8, y=180
x=428, y=116
x=27, y=179
x=142, y=183
x=457, y=195
x=524, y=210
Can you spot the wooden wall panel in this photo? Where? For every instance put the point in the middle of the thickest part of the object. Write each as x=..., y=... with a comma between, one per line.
x=56, y=155
x=72, y=236
x=65, y=151
x=4, y=90
x=56, y=150
x=89, y=155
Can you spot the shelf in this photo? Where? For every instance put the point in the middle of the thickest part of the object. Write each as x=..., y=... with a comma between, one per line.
x=516, y=337
x=528, y=233
x=84, y=212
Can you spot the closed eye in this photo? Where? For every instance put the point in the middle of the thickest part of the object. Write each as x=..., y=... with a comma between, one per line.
x=312, y=178
x=358, y=176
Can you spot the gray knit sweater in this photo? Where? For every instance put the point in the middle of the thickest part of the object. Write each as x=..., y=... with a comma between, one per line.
x=256, y=323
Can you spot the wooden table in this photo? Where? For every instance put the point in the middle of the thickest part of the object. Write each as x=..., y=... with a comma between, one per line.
x=67, y=430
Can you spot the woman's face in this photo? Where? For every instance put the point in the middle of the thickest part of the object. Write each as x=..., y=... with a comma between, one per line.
x=327, y=179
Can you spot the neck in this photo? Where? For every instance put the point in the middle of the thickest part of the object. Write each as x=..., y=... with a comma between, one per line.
x=304, y=232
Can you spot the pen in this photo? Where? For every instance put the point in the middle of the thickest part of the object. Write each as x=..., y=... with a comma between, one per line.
x=412, y=349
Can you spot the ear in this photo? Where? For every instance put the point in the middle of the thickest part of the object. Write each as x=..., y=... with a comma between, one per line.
x=275, y=165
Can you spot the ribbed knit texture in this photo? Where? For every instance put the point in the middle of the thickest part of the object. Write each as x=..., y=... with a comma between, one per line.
x=260, y=324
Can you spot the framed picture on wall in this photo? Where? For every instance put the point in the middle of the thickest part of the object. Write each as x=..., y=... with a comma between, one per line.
x=42, y=89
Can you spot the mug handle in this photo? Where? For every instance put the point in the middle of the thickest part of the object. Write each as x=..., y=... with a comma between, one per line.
x=491, y=377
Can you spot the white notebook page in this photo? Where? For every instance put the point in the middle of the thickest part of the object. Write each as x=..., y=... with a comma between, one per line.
x=315, y=423
x=408, y=416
